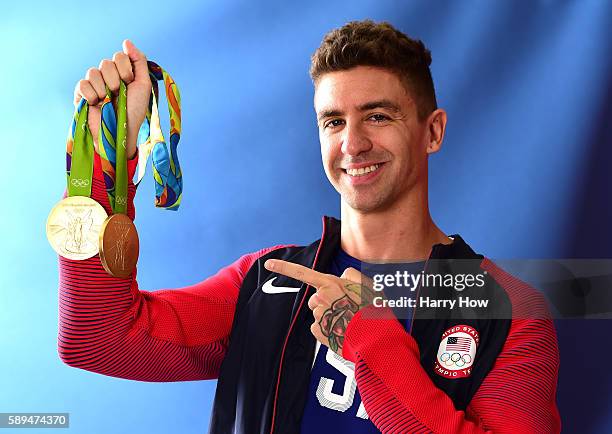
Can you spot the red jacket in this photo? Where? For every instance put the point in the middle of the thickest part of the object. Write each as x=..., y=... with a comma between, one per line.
x=110, y=326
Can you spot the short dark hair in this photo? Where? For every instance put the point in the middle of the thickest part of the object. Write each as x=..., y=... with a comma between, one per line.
x=366, y=43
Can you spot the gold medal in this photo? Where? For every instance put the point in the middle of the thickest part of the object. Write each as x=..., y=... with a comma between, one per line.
x=118, y=245
x=73, y=227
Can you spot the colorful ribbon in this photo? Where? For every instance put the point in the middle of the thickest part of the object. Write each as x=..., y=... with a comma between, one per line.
x=113, y=130
x=167, y=172
x=112, y=138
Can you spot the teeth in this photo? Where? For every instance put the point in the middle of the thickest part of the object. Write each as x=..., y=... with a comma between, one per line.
x=362, y=170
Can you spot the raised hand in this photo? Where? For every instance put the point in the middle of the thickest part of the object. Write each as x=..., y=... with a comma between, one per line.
x=129, y=65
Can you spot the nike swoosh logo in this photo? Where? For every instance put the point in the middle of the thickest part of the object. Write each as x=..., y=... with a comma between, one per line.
x=269, y=289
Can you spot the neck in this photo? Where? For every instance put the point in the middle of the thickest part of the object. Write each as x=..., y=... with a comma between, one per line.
x=404, y=231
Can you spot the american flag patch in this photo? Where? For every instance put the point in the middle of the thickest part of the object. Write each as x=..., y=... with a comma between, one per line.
x=457, y=351
x=458, y=343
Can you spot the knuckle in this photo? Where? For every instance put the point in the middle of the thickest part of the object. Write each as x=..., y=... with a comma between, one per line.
x=320, y=295
x=83, y=88
x=90, y=97
x=105, y=63
x=118, y=55
x=326, y=289
x=91, y=72
x=127, y=74
x=313, y=301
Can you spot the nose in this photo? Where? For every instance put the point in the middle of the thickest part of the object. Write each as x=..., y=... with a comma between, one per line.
x=354, y=140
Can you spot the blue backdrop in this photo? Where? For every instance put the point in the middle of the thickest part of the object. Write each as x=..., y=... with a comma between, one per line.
x=524, y=171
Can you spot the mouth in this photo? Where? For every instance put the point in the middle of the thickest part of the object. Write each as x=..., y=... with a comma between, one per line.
x=362, y=170
x=363, y=174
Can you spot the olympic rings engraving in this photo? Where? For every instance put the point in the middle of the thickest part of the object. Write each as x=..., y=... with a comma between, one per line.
x=79, y=182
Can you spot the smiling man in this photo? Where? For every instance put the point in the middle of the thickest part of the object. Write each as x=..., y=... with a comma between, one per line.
x=292, y=332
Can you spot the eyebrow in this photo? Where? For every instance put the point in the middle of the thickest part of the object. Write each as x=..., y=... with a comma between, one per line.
x=381, y=103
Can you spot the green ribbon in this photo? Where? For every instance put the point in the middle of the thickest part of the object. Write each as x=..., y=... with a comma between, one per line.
x=80, y=150
x=79, y=154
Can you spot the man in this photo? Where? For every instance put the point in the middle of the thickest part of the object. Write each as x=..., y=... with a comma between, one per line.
x=357, y=367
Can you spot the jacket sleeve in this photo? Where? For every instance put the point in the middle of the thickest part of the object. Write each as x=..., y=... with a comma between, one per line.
x=109, y=326
x=518, y=394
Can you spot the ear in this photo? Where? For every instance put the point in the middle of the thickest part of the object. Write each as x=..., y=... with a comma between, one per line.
x=436, y=123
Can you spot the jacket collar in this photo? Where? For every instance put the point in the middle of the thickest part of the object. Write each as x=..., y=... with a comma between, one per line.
x=330, y=238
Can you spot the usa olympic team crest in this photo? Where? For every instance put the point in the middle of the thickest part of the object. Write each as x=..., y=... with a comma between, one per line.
x=457, y=351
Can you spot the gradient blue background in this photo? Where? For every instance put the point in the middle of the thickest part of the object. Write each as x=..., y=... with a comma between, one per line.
x=525, y=171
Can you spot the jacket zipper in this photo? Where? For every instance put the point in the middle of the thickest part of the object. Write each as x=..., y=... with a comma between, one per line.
x=280, y=368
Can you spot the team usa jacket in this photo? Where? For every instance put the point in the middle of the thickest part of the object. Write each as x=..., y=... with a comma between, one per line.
x=453, y=373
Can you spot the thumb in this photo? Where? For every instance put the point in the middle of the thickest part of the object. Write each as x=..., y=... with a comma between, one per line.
x=138, y=59
x=356, y=276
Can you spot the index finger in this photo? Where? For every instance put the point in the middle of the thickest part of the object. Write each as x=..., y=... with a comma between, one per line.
x=297, y=272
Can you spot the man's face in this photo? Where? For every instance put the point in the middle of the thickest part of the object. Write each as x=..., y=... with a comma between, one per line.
x=372, y=144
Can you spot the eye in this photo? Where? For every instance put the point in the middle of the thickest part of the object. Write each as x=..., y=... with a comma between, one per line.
x=379, y=118
x=333, y=123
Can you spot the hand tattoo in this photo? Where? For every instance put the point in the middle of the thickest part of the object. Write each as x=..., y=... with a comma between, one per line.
x=366, y=295
x=335, y=320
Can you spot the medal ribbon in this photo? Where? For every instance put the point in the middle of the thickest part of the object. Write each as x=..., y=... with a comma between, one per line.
x=79, y=153
x=166, y=168
x=112, y=138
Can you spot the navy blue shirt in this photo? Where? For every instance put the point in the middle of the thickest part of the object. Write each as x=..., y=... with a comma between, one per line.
x=333, y=403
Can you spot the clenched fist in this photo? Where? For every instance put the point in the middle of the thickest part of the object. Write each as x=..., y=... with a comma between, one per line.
x=129, y=65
